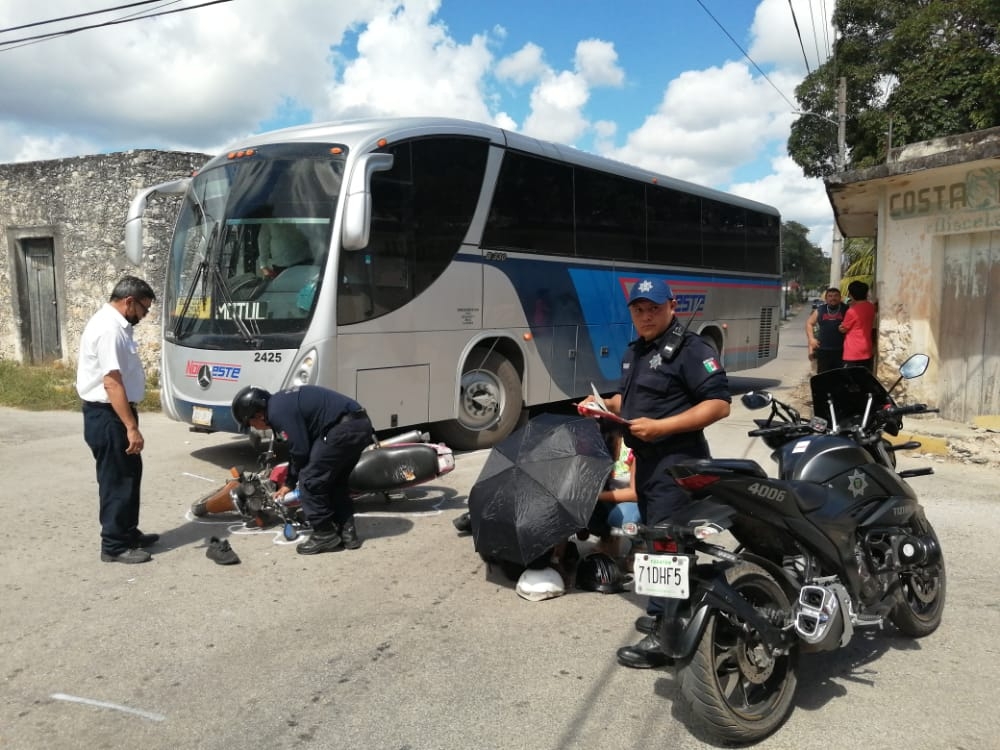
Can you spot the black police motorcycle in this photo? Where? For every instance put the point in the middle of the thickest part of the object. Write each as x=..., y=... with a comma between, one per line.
x=836, y=542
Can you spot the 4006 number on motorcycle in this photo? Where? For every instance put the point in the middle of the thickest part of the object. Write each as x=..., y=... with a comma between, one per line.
x=661, y=575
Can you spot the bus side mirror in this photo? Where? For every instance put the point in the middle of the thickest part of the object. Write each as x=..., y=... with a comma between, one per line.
x=133, y=222
x=357, y=222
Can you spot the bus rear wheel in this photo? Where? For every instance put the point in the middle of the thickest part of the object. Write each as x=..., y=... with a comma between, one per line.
x=489, y=403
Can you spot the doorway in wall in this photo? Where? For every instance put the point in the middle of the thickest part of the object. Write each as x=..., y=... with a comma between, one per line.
x=38, y=300
x=969, y=339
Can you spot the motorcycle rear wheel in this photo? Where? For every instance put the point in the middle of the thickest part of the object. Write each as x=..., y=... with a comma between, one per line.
x=737, y=692
x=920, y=611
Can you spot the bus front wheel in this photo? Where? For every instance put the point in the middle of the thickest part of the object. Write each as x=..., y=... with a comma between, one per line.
x=489, y=403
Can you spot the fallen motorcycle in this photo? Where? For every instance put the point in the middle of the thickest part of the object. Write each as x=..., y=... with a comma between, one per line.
x=385, y=467
x=836, y=542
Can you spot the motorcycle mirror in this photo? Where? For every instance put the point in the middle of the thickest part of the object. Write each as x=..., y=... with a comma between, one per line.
x=756, y=399
x=914, y=367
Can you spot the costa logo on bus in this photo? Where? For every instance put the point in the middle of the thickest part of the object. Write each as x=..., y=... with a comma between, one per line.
x=217, y=370
x=690, y=300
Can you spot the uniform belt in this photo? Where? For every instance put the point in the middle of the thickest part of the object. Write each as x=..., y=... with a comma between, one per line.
x=106, y=405
x=349, y=416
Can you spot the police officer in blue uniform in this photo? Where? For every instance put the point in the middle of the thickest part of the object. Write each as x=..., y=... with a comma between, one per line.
x=326, y=433
x=672, y=387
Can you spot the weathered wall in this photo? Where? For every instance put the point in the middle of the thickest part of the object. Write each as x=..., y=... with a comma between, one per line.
x=937, y=283
x=81, y=203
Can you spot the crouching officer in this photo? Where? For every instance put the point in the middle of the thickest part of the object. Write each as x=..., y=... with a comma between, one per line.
x=326, y=433
x=672, y=387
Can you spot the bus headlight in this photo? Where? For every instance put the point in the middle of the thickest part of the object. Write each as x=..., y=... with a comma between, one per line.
x=303, y=374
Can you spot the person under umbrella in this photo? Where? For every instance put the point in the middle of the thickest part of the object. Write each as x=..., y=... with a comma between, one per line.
x=538, y=486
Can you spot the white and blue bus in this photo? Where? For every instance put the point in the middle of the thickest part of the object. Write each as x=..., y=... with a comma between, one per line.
x=455, y=274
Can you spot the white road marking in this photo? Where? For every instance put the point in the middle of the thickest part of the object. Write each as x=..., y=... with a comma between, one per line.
x=104, y=704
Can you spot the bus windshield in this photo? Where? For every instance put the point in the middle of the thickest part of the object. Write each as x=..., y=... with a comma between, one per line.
x=252, y=238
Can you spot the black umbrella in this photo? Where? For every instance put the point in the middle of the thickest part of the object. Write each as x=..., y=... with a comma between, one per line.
x=538, y=486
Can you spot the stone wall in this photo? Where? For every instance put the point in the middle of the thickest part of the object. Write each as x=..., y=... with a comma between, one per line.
x=81, y=203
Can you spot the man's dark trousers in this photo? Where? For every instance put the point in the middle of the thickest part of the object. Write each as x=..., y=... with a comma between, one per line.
x=119, y=476
x=323, y=485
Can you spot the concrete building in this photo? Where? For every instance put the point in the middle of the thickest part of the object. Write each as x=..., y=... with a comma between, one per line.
x=934, y=209
x=62, y=247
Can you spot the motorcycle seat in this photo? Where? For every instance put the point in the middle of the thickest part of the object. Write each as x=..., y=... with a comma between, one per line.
x=736, y=465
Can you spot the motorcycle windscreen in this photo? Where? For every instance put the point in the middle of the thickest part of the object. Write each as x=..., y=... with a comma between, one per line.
x=848, y=388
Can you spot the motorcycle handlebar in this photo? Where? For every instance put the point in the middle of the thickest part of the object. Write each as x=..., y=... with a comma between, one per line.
x=898, y=411
x=784, y=429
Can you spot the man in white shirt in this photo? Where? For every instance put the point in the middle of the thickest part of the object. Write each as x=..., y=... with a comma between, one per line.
x=281, y=245
x=110, y=381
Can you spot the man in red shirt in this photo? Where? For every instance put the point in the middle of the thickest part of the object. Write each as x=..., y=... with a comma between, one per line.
x=857, y=327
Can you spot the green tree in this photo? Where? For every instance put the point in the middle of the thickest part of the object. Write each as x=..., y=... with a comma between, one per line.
x=801, y=260
x=918, y=69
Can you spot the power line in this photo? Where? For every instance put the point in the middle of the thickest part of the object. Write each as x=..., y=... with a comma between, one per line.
x=812, y=19
x=747, y=56
x=77, y=15
x=7, y=45
x=798, y=33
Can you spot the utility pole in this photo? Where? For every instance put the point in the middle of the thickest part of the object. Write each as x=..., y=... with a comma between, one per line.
x=837, y=253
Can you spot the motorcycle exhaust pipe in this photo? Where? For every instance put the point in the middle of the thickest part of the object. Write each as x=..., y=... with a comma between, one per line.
x=413, y=436
x=818, y=612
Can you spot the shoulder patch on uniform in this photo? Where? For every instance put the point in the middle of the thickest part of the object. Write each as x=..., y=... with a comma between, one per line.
x=711, y=364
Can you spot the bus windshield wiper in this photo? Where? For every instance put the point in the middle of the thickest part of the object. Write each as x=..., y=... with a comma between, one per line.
x=183, y=324
x=223, y=288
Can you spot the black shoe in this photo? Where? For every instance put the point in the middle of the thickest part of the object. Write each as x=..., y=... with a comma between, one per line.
x=463, y=523
x=349, y=535
x=145, y=540
x=647, y=624
x=129, y=556
x=646, y=654
x=320, y=541
x=220, y=551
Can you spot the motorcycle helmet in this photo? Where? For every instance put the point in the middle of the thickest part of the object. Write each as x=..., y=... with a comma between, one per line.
x=248, y=403
x=599, y=572
x=538, y=585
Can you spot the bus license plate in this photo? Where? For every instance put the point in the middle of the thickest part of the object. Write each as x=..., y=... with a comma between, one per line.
x=201, y=416
x=661, y=575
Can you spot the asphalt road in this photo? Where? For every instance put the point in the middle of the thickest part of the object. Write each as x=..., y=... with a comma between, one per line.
x=409, y=642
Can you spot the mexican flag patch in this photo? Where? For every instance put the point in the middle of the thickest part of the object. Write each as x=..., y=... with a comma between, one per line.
x=711, y=365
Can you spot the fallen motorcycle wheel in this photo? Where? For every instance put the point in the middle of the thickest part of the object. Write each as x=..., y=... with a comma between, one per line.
x=921, y=608
x=736, y=690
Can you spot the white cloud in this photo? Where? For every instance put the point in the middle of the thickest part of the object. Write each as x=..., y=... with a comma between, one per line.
x=407, y=64
x=709, y=123
x=775, y=41
x=597, y=62
x=799, y=198
x=524, y=66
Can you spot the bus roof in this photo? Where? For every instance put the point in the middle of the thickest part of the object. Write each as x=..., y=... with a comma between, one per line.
x=362, y=135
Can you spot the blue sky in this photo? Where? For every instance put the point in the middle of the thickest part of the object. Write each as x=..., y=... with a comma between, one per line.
x=654, y=83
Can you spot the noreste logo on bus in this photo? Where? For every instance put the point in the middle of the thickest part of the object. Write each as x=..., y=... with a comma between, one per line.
x=216, y=370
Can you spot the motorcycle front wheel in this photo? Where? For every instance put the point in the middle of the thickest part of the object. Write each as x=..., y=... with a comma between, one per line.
x=922, y=591
x=736, y=690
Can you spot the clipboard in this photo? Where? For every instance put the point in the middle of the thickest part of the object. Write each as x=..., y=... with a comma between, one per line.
x=598, y=408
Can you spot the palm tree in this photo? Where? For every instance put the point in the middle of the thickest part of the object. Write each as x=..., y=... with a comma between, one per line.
x=860, y=256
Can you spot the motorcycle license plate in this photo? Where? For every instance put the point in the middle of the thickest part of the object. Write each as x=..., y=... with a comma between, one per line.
x=664, y=576
x=201, y=416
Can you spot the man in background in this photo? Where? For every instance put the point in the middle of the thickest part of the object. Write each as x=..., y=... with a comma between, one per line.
x=110, y=381
x=826, y=342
